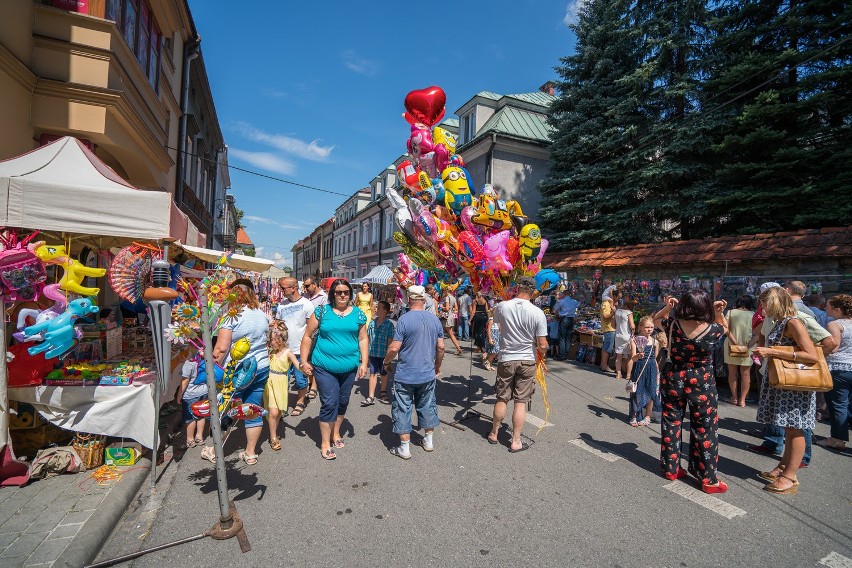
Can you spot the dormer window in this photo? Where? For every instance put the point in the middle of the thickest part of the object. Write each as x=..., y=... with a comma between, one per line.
x=468, y=128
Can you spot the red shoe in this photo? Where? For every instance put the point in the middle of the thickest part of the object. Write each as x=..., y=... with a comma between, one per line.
x=681, y=474
x=720, y=487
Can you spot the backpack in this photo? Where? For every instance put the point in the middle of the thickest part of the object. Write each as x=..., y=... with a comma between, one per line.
x=22, y=274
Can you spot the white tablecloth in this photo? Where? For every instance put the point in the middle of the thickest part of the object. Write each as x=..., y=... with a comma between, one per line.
x=123, y=412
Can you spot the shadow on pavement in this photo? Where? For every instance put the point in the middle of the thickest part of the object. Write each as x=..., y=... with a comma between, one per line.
x=628, y=450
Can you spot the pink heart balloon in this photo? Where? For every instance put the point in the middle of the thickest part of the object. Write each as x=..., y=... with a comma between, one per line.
x=425, y=105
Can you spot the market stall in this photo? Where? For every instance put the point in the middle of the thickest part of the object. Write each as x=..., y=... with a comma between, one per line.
x=29, y=186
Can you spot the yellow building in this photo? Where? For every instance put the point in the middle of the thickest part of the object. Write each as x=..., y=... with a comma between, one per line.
x=111, y=72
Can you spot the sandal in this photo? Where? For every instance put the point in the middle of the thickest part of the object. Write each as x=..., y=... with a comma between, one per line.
x=369, y=401
x=770, y=475
x=189, y=444
x=792, y=490
x=383, y=397
x=250, y=459
x=275, y=443
x=199, y=441
x=339, y=443
x=329, y=454
x=312, y=394
x=209, y=454
x=298, y=409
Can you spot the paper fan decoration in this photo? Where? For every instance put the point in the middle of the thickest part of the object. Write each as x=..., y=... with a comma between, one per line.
x=130, y=271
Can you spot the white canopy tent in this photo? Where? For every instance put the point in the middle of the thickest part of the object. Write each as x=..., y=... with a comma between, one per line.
x=239, y=261
x=64, y=187
x=381, y=274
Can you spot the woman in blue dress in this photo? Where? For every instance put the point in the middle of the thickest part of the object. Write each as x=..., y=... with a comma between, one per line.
x=644, y=383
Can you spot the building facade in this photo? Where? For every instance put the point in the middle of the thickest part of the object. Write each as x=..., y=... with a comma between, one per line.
x=117, y=74
x=345, y=235
x=313, y=255
x=505, y=141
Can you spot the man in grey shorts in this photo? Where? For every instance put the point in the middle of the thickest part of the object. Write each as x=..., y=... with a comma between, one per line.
x=523, y=331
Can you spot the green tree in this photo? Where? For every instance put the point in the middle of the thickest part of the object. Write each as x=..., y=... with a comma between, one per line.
x=595, y=124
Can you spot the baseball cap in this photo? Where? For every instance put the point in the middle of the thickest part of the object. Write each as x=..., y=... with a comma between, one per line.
x=767, y=285
x=416, y=293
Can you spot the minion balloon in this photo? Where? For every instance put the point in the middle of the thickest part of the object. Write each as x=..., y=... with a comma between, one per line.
x=529, y=241
x=456, y=189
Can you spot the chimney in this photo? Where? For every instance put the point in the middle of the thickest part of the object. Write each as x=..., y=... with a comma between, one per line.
x=549, y=88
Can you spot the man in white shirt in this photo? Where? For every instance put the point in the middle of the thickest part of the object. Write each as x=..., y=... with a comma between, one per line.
x=464, y=316
x=295, y=311
x=523, y=332
x=314, y=292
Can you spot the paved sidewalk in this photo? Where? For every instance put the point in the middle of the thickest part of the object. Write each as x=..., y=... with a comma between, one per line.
x=64, y=520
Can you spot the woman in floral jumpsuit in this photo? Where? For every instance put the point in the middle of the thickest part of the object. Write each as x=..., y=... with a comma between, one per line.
x=696, y=328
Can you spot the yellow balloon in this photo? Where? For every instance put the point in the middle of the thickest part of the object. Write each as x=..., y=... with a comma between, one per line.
x=74, y=271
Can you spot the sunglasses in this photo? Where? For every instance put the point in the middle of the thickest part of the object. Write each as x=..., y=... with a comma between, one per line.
x=341, y=292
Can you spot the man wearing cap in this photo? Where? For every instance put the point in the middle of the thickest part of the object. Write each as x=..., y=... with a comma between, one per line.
x=523, y=333
x=419, y=341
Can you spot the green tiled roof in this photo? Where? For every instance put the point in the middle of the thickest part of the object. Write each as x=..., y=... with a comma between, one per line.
x=488, y=95
x=451, y=122
x=536, y=98
x=518, y=123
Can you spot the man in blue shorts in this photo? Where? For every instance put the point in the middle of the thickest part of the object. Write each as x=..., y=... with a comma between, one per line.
x=419, y=341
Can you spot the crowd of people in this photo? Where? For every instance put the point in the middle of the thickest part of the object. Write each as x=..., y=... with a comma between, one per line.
x=318, y=344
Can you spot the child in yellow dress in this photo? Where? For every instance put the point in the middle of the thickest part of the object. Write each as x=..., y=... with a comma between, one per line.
x=276, y=393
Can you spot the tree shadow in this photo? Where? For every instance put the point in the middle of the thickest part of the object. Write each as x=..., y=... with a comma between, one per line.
x=246, y=484
x=384, y=430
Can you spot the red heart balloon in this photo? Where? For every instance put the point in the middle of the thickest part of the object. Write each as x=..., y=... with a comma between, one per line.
x=425, y=105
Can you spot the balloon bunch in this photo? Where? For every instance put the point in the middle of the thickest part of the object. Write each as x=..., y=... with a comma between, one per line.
x=448, y=226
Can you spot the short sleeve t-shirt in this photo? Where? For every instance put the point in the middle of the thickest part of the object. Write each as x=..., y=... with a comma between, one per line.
x=253, y=325
x=464, y=305
x=419, y=331
x=190, y=371
x=337, y=349
x=521, y=324
x=295, y=315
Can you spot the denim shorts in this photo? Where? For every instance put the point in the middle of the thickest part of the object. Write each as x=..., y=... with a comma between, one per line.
x=301, y=379
x=377, y=366
x=254, y=395
x=608, y=342
x=188, y=416
x=422, y=397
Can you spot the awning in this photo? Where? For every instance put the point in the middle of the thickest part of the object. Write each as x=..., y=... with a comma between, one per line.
x=64, y=187
x=235, y=261
x=381, y=274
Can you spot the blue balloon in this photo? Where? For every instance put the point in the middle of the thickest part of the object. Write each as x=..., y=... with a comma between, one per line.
x=546, y=280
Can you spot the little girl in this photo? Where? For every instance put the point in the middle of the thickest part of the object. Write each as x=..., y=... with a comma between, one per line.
x=492, y=347
x=192, y=390
x=644, y=383
x=275, y=396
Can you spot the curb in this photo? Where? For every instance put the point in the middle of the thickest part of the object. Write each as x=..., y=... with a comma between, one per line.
x=84, y=548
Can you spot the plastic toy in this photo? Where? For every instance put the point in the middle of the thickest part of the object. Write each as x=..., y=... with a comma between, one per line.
x=74, y=271
x=59, y=331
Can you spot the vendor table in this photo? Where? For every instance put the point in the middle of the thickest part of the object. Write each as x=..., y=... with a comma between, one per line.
x=123, y=412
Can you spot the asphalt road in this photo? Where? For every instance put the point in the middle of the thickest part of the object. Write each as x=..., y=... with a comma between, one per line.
x=587, y=493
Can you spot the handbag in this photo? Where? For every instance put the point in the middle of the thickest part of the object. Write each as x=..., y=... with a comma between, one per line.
x=737, y=350
x=798, y=376
x=633, y=385
x=315, y=334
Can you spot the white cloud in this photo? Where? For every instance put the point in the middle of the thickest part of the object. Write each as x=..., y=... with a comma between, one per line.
x=279, y=259
x=264, y=161
x=274, y=93
x=273, y=222
x=573, y=10
x=308, y=150
x=358, y=64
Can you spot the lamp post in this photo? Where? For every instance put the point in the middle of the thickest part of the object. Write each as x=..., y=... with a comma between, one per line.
x=224, y=218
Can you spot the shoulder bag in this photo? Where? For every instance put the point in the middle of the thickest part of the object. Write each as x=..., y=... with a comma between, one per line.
x=631, y=384
x=315, y=334
x=734, y=348
x=798, y=376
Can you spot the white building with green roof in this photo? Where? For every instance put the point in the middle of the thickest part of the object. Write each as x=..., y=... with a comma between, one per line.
x=504, y=140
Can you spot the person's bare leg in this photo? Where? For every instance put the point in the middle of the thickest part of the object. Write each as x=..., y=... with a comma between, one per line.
x=745, y=384
x=383, y=383
x=252, y=436
x=733, y=375
x=519, y=415
x=273, y=419
x=794, y=451
x=190, y=431
x=300, y=396
x=337, y=423
x=371, y=385
x=605, y=361
x=497, y=420
x=325, y=436
x=618, y=358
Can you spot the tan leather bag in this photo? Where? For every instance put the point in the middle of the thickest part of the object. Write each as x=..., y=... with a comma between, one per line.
x=737, y=350
x=797, y=376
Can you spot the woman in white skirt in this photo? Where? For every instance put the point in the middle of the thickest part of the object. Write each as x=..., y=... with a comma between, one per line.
x=624, y=330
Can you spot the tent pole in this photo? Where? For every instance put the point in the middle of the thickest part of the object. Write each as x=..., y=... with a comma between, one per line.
x=4, y=383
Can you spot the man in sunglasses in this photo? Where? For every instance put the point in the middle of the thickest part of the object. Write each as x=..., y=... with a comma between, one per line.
x=317, y=296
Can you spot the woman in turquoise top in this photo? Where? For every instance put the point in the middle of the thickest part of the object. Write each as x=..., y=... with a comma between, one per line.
x=338, y=358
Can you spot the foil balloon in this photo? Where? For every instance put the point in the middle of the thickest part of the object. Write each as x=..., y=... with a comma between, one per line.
x=466, y=220
x=457, y=160
x=74, y=271
x=438, y=187
x=408, y=176
x=426, y=106
x=247, y=411
x=424, y=223
x=470, y=183
x=420, y=142
x=444, y=144
x=529, y=242
x=418, y=256
x=457, y=190
x=546, y=280
x=59, y=332
x=469, y=251
x=491, y=212
x=513, y=251
x=395, y=199
x=200, y=408
x=495, y=251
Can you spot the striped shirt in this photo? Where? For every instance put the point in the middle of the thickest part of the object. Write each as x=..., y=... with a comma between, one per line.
x=379, y=337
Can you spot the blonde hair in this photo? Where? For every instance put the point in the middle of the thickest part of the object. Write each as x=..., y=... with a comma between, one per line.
x=279, y=330
x=777, y=303
x=645, y=321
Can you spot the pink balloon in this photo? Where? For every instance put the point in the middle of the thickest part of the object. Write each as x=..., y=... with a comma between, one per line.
x=495, y=251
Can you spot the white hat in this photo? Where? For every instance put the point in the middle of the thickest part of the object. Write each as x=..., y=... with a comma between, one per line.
x=416, y=293
x=767, y=285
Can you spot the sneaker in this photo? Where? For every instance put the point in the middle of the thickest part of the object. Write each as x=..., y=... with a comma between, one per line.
x=397, y=451
x=633, y=422
x=428, y=446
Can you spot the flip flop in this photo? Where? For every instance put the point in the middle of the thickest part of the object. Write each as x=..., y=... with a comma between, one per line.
x=339, y=443
x=492, y=442
x=329, y=455
x=524, y=446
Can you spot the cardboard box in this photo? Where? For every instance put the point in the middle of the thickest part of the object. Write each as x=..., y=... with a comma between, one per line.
x=120, y=456
x=22, y=416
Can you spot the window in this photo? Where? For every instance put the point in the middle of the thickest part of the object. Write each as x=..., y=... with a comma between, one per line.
x=468, y=128
x=136, y=23
x=375, y=230
x=388, y=224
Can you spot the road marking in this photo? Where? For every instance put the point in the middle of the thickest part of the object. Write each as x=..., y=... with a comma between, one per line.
x=600, y=452
x=835, y=560
x=536, y=421
x=707, y=501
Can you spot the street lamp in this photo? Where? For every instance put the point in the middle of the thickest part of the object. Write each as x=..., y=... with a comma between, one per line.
x=225, y=237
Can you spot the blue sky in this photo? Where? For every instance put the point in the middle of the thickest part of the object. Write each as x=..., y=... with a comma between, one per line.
x=313, y=92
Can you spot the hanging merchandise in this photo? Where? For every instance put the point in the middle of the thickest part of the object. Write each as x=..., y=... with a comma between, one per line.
x=22, y=273
x=130, y=271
